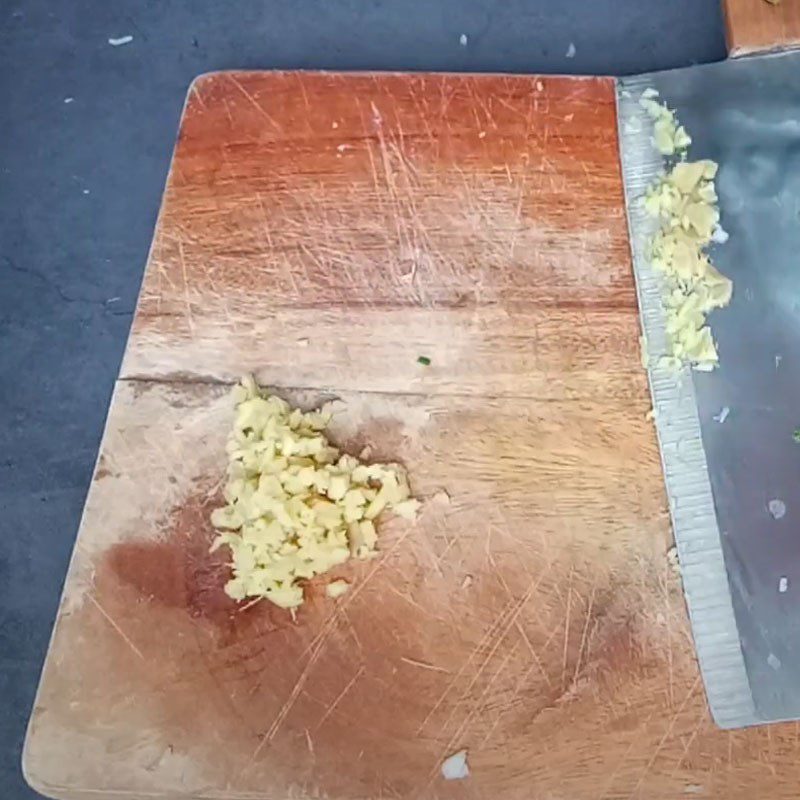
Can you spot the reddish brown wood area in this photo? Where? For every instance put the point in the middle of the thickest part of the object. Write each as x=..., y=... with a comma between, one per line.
x=324, y=231
x=756, y=25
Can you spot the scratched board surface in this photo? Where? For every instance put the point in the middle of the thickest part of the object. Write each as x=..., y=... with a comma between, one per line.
x=323, y=231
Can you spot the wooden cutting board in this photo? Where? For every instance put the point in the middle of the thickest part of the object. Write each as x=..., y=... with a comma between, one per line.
x=758, y=25
x=324, y=231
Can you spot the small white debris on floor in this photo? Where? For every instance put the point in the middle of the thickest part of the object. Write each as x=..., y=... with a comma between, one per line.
x=118, y=42
x=774, y=661
x=783, y=584
x=482, y=135
x=539, y=86
x=570, y=51
x=778, y=360
x=777, y=508
x=69, y=100
x=723, y=415
x=455, y=767
x=86, y=191
x=463, y=39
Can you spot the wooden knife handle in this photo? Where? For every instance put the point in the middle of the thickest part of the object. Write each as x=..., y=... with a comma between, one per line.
x=754, y=26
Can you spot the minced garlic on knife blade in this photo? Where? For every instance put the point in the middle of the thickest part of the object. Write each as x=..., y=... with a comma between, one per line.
x=669, y=136
x=684, y=199
x=295, y=507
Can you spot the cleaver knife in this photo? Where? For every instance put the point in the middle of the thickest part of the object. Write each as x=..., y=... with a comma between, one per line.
x=730, y=459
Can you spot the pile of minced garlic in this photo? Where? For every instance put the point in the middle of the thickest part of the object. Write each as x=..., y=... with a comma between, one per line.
x=296, y=507
x=685, y=201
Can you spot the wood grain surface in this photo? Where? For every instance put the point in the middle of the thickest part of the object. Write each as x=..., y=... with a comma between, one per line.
x=324, y=231
x=756, y=25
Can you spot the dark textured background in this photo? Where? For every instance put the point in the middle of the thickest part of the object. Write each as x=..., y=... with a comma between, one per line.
x=80, y=184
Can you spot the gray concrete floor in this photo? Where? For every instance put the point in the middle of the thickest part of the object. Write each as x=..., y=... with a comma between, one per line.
x=86, y=131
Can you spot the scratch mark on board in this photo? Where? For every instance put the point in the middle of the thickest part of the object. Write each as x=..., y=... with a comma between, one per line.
x=189, y=316
x=518, y=625
x=340, y=696
x=496, y=623
x=199, y=97
x=500, y=639
x=423, y=665
x=664, y=738
x=566, y=632
x=253, y=102
x=114, y=625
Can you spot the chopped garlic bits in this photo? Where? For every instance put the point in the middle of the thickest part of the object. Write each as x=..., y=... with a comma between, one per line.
x=337, y=588
x=295, y=507
x=669, y=137
x=684, y=200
